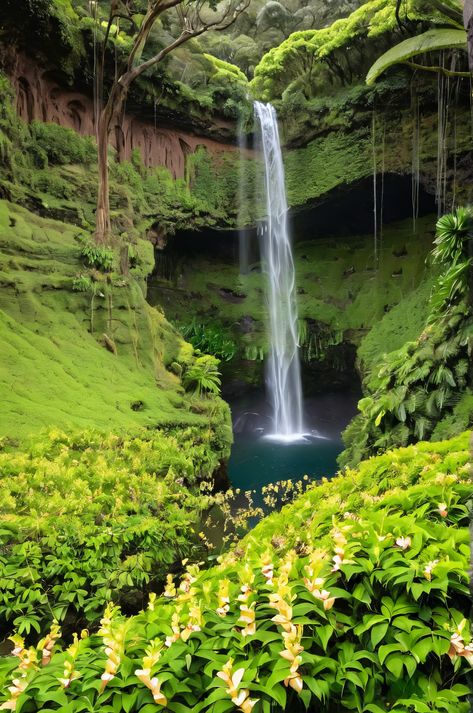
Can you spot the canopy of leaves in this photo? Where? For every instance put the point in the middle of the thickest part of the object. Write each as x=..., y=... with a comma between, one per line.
x=345, y=46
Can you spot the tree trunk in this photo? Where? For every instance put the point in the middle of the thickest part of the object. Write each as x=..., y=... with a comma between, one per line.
x=103, y=226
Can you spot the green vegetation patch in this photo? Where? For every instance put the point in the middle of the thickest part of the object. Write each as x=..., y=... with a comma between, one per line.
x=354, y=597
x=92, y=517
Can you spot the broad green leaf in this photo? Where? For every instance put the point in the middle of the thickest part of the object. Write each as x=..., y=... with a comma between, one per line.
x=430, y=41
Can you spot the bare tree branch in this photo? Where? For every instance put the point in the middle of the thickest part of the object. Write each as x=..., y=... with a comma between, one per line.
x=437, y=69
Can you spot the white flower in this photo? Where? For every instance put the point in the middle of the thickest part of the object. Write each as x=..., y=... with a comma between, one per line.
x=404, y=542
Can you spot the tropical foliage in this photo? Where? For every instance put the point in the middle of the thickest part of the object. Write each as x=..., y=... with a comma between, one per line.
x=341, y=52
x=210, y=338
x=355, y=597
x=415, y=386
x=430, y=41
x=203, y=376
x=89, y=518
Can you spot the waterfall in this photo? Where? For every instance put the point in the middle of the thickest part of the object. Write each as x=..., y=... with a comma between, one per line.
x=284, y=377
x=375, y=188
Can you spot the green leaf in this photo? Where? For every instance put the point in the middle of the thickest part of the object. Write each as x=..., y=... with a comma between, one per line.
x=394, y=664
x=378, y=632
x=430, y=41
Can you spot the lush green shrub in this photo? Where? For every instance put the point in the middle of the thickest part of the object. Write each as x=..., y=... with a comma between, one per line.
x=416, y=386
x=87, y=518
x=210, y=339
x=203, y=376
x=98, y=256
x=353, y=598
x=62, y=145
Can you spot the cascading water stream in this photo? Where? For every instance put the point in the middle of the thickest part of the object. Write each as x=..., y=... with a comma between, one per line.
x=284, y=376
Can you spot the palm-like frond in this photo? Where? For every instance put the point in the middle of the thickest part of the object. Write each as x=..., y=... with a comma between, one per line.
x=430, y=41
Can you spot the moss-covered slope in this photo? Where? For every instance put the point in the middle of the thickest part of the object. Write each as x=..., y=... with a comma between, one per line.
x=56, y=368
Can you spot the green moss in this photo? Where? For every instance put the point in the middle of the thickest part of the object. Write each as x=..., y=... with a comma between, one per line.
x=337, y=287
x=403, y=323
x=344, y=156
x=54, y=371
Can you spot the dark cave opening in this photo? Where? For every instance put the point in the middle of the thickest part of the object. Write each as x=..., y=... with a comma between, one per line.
x=346, y=211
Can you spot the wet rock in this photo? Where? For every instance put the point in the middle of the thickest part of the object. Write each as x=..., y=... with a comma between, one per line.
x=247, y=324
x=231, y=295
x=400, y=252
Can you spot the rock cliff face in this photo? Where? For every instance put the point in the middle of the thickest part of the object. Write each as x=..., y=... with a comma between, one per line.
x=41, y=97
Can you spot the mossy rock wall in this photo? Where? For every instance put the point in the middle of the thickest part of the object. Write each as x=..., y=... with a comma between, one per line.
x=341, y=157
x=342, y=294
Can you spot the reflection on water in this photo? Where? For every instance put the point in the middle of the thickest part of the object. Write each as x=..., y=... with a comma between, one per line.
x=257, y=459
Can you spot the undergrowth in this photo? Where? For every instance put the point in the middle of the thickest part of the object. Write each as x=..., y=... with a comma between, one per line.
x=353, y=598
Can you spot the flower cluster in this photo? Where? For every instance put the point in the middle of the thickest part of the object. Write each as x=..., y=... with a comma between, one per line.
x=247, y=610
x=28, y=662
x=313, y=582
x=281, y=600
x=47, y=644
x=223, y=598
x=458, y=646
x=403, y=543
x=241, y=698
x=114, y=639
x=340, y=542
x=292, y=651
x=176, y=629
x=428, y=569
x=70, y=674
x=152, y=656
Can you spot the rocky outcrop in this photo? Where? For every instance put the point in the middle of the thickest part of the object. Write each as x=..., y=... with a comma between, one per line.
x=41, y=97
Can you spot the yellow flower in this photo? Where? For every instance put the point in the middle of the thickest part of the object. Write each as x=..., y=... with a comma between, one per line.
x=153, y=684
x=241, y=699
x=428, y=569
x=294, y=682
x=325, y=597
x=247, y=617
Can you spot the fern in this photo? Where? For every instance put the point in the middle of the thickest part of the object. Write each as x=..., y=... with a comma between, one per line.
x=446, y=350
x=203, y=376
x=422, y=427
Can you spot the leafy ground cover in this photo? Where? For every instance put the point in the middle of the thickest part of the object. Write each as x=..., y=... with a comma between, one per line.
x=355, y=597
x=89, y=518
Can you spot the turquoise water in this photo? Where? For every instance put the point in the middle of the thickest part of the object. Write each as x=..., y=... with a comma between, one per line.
x=256, y=461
